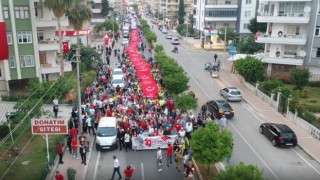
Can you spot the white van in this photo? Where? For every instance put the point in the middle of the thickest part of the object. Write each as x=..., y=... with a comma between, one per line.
x=106, y=135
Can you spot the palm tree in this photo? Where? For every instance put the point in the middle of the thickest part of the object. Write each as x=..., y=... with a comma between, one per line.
x=59, y=8
x=78, y=15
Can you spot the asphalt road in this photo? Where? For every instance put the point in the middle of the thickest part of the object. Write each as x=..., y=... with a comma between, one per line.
x=250, y=146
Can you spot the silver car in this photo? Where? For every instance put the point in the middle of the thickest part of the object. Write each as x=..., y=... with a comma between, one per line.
x=231, y=94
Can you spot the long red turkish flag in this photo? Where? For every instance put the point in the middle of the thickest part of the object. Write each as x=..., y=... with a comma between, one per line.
x=4, y=49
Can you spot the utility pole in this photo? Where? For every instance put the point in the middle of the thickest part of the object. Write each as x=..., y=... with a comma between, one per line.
x=79, y=90
x=225, y=42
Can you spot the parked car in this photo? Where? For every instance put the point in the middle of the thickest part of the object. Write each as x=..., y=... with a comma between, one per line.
x=164, y=31
x=219, y=108
x=231, y=94
x=279, y=134
x=168, y=36
x=117, y=73
x=115, y=82
x=125, y=41
x=175, y=41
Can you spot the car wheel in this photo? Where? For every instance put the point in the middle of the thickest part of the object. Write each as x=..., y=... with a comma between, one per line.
x=97, y=147
x=274, y=142
x=261, y=130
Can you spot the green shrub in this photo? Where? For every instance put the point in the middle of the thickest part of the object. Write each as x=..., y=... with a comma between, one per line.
x=314, y=83
x=308, y=116
x=313, y=107
x=269, y=85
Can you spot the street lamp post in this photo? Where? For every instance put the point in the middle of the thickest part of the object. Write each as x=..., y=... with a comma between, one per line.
x=79, y=90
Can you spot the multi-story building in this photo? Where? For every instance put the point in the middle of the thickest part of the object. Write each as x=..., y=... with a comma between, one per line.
x=291, y=37
x=33, y=46
x=246, y=11
x=97, y=17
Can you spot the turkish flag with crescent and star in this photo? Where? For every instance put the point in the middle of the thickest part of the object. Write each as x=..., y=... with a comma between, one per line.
x=65, y=45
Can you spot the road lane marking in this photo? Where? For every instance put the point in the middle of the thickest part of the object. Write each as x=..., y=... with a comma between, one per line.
x=96, y=167
x=252, y=149
x=306, y=161
x=142, y=171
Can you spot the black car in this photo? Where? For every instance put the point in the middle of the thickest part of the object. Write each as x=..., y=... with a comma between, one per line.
x=279, y=134
x=219, y=108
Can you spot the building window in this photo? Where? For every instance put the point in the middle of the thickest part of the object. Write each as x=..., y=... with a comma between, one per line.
x=245, y=25
x=12, y=62
x=317, y=33
x=228, y=2
x=24, y=37
x=248, y=1
x=9, y=37
x=27, y=61
x=225, y=24
x=22, y=12
x=318, y=52
x=247, y=13
x=221, y=13
x=5, y=12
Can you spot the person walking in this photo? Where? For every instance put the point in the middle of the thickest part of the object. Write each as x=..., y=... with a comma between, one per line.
x=129, y=172
x=74, y=146
x=178, y=159
x=159, y=159
x=116, y=167
x=121, y=135
x=60, y=152
x=71, y=173
x=70, y=98
x=175, y=147
x=89, y=122
x=59, y=176
x=55, y=110
x=69, y=139
x=215, y=57
x=83, y=153
x=127, y=140
x=223, y=122
x=169, y=154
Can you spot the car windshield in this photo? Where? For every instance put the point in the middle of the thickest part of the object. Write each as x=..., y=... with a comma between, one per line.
x=288, y=135
x=117, y=73
x=106, y=131
x=117, y=81
x=235, y=92
x=225, y=106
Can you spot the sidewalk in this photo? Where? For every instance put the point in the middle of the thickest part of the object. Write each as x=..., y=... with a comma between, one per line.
x=267, y=113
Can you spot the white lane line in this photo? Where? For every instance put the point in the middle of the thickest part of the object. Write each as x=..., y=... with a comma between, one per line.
x=252, y=149
x=142, y=172
x=306, y=161
x=96, y=167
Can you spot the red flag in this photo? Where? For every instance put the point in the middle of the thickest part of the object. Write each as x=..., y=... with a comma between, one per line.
x=106, y=39
x=65, y=46
x=4, y=53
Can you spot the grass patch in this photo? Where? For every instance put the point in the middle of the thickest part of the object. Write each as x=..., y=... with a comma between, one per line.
x=204, y=171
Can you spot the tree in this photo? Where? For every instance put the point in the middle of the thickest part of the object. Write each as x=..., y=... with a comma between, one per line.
x=181, y=12
x=191, y=20
x=210, y=145
x=300, y=77
x=247, y=45
x=105, y=8
x=176, y=83
x=108, y=25
x=255, y=26
x=59, y=8
x=241, y=172
x=86, y=55
x=186, y=101
x=251, y=68
x=182, y=29
x=135, y=8
x=230, y=35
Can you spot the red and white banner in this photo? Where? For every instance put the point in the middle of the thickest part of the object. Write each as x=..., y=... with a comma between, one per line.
x=49, y=126
x=4, y=52
x=65, y=45
x=152, y=142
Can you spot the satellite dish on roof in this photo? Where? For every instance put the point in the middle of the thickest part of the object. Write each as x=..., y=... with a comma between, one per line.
x=302, y=53
x=307, y=9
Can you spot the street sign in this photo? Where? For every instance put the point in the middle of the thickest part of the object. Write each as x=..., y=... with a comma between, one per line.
x=232, y=50
x=49, y=126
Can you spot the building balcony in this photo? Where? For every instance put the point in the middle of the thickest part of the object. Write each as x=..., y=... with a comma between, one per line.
x=223, y=6
x=286, y=58
x=219, y=19
x=293, y=18
x=285, y=39
x=98, y=20
x=50, y=68
x=51, y=22
x=96, y=11
x=48, y=45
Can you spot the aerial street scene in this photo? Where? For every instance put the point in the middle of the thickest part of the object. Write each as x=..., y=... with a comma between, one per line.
x=159, y=90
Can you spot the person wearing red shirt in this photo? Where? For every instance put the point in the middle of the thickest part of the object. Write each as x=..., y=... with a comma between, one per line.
x=59, y=176
x=74, y=147
x=169, y=154
x=74, y=132
x=177, y=125
x=129, y=172
x=109, y=112
x=60, y=152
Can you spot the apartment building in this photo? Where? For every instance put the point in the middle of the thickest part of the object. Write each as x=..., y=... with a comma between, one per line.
x=247, y=10
x=33, y=46
x=292, y=37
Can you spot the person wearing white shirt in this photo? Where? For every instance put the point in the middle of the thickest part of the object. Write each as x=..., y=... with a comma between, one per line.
x=116, y=167
x=182, y=132
x=150, y=131
x=223, y=122
x=90, y=125
x=159, y=159
x=55, y=101
x=189, y=129
x=127, y=140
